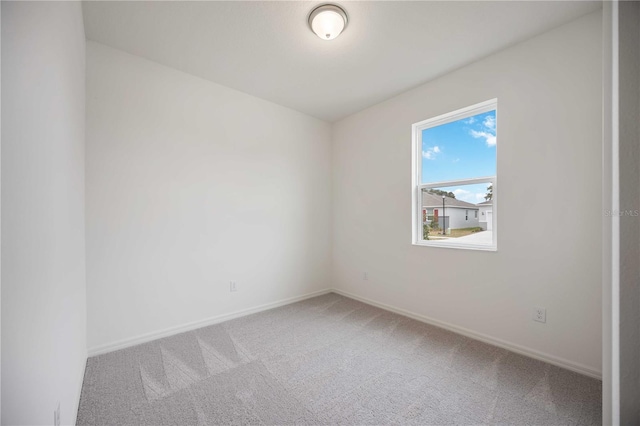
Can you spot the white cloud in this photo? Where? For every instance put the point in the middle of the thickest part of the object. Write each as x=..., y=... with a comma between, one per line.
x=490, y=123
x=489, y=138
x=430, y=153
x=487, y=132
x=468, y=196
x=470, y=120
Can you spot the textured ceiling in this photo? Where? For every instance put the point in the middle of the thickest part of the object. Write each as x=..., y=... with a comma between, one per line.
x=266, y=49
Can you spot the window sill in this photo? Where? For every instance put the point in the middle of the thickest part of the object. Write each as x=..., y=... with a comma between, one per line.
x=452, y=245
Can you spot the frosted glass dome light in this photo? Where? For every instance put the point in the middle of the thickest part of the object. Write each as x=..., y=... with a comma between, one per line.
x=328, y=21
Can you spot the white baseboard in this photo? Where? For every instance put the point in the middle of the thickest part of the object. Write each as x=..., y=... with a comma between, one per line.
x=522, y=350
x=147, y=337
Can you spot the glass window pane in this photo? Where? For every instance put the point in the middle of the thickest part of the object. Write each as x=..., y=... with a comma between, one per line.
x=462, y=149
x=459, y=214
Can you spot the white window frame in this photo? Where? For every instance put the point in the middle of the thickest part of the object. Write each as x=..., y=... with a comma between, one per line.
x=416, y=178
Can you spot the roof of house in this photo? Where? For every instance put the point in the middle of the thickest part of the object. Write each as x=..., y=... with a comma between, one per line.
x=435, y=200
x=485, y=203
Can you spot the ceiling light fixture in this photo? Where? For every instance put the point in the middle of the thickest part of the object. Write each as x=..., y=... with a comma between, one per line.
x=328, y=21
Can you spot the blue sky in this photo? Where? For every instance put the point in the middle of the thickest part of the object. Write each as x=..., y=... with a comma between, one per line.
x=461, y=149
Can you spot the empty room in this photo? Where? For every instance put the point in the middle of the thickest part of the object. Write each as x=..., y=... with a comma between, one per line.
x=320, y=213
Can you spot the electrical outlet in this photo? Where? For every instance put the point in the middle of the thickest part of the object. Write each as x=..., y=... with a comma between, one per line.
x=233, y=286
x=540, y=314
x=365, y=276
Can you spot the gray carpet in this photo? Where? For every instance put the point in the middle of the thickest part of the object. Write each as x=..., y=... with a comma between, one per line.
x=330, y=360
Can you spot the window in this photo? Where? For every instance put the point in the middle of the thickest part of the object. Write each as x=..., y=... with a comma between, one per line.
x=454, y=159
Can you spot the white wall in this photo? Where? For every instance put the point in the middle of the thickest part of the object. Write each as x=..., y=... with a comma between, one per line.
x=43, y=261
x=191, y=185
x=549, y=154
x=629, y=169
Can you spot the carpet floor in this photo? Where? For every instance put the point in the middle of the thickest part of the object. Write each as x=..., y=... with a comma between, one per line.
x=330, y=360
